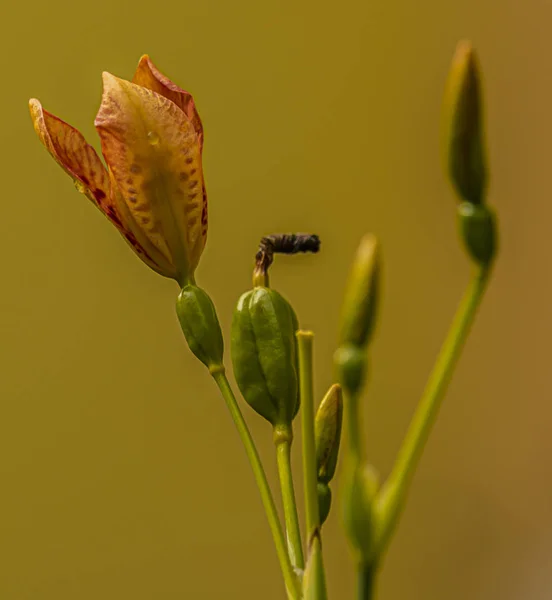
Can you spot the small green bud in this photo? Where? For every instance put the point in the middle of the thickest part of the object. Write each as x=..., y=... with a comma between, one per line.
x=198, y=319
x=350, y=362
x=264, y=354
x=359, y=306
x=478, y=231
x=360, y=487
x=327, y=432
x=324, y=501
x=463, y=126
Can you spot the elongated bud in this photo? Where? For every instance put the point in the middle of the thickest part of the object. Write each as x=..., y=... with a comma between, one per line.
x=478, y=231
x=463, y=126
x=359, y=307
x=358, y=315
x=200, y=325
x=359, y=491
x=264, y=354
x=327, y=433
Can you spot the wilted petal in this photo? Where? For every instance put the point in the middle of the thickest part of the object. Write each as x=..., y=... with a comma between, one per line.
x=77, y=158
x=148, y=76
x=152, y=150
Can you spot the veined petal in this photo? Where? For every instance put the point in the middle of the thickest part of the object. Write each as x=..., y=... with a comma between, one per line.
x=133, y=235
x=153, y=152
x=77, y=158
x=147, y=75
x=71, y=151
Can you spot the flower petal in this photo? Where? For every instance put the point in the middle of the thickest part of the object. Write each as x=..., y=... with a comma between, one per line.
x=148, y=76
x=69, y=148
x=77, y=158
x=153, y=152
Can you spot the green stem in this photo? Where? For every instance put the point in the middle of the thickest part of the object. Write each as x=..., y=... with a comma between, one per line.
x=394, y=491
x=353, y=429
x=290, y=578
x=305, y=339
x=366, y=581
x=293, y=529
x=305, y=346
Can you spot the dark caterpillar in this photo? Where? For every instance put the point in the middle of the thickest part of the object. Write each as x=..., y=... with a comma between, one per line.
x=284, y=243
x=290, y=243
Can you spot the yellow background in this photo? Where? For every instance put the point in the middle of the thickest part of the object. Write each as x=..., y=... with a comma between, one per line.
x=121, y=475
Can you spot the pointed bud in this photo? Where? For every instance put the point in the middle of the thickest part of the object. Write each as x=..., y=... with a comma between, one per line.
x=198, y=319
x=359, y=307
x=360, y=487
x=478, y=231
x=327, y=432
x=463, y=126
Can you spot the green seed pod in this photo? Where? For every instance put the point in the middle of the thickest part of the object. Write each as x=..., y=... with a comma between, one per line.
x=264, y=354
x=198, y=319
x=359, y=491
x=463, y=126
x=478, y=231
x=327, y=433
x=324, y=501
x=359, y=306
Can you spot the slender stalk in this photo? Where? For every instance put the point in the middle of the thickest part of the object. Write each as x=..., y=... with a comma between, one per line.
x=366, y=580
x=305, y=339
x=353, y=429
x=293, y=529
x=396, y=487
x=305, y=346
x=290, y=578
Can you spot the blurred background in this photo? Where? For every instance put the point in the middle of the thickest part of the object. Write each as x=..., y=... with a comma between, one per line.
x=121, y=473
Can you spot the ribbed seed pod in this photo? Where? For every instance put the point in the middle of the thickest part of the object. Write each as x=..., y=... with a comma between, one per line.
x=264, y=354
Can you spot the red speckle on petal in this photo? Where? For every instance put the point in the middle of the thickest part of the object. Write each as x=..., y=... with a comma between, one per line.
x=99, y=195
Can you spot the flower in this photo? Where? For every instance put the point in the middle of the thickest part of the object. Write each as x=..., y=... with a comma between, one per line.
x=153, y=189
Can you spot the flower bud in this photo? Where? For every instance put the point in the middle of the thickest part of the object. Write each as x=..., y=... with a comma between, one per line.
x=359, y=306
x=360, y=487
x=327, y=433
x=264, y=354
x=198, y=319
x=478, y=231
x=463, y=126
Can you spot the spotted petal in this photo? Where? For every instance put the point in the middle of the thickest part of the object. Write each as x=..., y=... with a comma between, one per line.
x=147, y=75
x=153, y=151
x=77, y=158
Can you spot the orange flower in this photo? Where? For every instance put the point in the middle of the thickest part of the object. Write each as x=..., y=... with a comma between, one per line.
x=153, y=189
